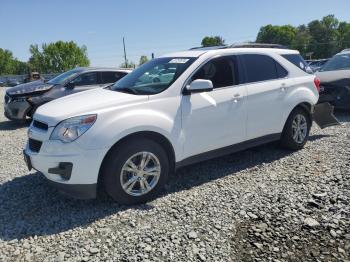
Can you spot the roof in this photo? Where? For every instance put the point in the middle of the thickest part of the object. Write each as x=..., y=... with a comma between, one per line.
x=198, y=52
x=346, y=50
x=104, y=69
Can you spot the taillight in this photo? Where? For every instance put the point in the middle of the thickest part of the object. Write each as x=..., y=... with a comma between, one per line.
x=317, y=83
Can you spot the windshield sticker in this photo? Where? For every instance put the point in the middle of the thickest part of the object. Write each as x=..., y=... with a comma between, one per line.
x=178, y=61
x=302, y=65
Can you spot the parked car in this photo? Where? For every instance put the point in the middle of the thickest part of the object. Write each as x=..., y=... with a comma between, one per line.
x=316, y=65
x=22, y=101
x=129, y=137
x=335, y=81
x=12, y=82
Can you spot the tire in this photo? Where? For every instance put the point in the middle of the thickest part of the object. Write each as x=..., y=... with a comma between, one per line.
x=289, y=138
x=117, y=170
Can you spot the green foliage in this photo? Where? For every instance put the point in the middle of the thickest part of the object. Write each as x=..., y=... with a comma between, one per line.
x=10, y=65
x=321, y=38
x=212, y=41
x=57, y=57
x=128, y=64
x=143, y=59
x=270, y=34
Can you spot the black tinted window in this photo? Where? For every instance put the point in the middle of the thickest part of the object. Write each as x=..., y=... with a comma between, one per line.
x=261, y=68
x=281, y=72
x=221, y=71
x=111, y=77
x=86, y=79
x=299, y=61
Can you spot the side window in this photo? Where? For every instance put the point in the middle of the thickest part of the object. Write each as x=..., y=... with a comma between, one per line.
x=111, y=77
x=86, y=79
x=261, y=68
x=221, y=71
x=299, y=61
x=281, y=72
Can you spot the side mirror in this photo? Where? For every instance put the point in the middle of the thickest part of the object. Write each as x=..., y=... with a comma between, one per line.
x=198, y=86
x=70, y=85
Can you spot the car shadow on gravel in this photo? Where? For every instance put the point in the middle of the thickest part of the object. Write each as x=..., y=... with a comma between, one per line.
x=29, y=206
x=12, y=125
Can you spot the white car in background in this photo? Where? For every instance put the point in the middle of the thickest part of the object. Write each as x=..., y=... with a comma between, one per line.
x=128, y=138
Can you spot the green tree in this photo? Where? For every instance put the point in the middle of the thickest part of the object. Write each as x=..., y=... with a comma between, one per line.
x=212, y=41
x=344, y=35
x=6, y=62
x=283, y=35
x=302, y=40
x=143, y=59
x=57, y=57
x=10, y=65
x=128, y=64
x=324, y=35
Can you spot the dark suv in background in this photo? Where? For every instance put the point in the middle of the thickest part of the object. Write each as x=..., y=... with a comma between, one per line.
x=22, y=100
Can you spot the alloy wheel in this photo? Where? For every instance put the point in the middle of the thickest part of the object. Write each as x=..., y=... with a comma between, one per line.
x=140, y=173
x=299, y=128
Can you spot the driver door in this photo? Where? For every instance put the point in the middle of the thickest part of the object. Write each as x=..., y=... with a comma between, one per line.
x=215, y=119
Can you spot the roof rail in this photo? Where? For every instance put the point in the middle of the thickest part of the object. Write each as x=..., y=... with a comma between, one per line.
x=242, y=45
x=204, y=48
x=346, y=50
x=258, y=45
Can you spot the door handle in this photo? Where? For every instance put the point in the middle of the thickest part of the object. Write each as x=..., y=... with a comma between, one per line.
x=283, y=87
x=236, y=98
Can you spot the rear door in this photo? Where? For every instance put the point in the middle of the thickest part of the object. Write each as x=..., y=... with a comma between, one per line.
x=267, y=85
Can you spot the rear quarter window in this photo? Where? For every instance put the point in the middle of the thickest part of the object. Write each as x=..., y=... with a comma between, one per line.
x=298, y=61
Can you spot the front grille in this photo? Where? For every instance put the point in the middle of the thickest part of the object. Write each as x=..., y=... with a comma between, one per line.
x=40, y=125
x=34, y=145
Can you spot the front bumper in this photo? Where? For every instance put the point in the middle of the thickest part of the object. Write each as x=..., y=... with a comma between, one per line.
x=17, y=110
x=338, y=96
x=67, y=166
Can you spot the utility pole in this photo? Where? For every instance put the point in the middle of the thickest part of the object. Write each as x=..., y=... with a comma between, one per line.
x=124, y=53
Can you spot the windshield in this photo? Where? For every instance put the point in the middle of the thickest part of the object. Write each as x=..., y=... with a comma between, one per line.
x=338, y=62
x=154, y=76
x=62, y=78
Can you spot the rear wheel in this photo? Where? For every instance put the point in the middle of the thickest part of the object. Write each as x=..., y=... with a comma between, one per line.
x=135, y=171
x=296, y=130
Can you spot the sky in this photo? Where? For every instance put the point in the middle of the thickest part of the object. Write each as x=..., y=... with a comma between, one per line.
x=152, y=26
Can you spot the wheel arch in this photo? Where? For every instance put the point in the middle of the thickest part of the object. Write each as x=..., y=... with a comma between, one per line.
x=306, y=106
x=152, y=135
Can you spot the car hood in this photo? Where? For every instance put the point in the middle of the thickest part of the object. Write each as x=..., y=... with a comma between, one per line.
x=88, y=102
x=28, y=88
x=338, y=78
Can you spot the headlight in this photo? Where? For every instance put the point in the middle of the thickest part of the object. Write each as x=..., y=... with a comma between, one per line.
x=72, y=128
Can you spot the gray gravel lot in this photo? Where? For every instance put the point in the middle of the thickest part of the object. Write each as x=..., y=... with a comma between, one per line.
x=263, y=204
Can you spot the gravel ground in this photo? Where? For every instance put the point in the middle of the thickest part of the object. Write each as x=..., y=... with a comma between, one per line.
x=263, y=204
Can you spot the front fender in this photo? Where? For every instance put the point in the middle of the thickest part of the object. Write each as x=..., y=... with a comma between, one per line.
x=109, y=129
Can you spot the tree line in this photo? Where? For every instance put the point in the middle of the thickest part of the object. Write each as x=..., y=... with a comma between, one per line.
x=318, y=39
x=49, y=58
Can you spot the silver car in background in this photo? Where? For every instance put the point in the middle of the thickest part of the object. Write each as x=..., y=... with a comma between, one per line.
x=22, y=100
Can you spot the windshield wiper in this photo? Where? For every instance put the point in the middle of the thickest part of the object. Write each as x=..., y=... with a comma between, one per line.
x=127, y=90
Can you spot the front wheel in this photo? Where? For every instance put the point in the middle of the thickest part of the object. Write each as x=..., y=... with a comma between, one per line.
x=296, y=130
x=135, y=171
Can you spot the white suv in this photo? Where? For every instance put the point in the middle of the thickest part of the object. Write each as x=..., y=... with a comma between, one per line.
x=131, y=136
